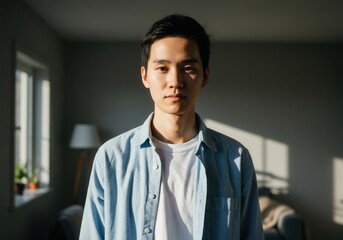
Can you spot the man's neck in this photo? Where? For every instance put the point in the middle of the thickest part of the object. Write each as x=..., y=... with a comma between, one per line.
x=172, y=128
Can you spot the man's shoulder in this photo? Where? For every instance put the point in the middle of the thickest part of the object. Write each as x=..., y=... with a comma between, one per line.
x=126, y=142
x=122, y=139
x=225, y=140
x=232, y=149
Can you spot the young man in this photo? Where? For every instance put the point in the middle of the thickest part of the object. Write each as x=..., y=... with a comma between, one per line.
x=172, y=178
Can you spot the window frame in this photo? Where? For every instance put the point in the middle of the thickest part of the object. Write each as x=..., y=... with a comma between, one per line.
x=27, y=62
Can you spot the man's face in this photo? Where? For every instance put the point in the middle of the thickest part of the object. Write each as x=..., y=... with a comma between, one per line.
x=174, y=75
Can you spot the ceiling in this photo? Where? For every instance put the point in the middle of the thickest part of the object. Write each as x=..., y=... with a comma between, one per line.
x=243, y=21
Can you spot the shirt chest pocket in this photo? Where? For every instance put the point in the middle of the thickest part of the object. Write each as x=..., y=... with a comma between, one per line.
x=222, y=218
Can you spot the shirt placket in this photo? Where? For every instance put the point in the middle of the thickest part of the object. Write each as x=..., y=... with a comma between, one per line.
x=154, y=180
x=200, y=196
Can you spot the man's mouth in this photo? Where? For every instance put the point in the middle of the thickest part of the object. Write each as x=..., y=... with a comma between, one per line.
x=175, y=97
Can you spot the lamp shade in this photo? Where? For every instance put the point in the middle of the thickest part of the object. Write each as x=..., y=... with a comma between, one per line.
x=85, y=136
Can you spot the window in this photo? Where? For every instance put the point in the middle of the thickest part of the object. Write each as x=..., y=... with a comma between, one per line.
x=31, y=128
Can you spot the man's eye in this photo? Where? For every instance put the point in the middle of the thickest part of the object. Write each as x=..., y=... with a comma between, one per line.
x=189, y=69
x=162, y=69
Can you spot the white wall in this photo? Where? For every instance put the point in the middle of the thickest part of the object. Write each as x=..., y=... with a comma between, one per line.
x=288, y=96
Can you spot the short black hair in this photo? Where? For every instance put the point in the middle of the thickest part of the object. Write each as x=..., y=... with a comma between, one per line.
x=177, y=25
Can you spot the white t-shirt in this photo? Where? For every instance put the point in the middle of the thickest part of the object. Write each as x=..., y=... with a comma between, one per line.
x=175, y=210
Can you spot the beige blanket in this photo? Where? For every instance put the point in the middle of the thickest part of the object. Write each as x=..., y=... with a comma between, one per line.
x=271, y=211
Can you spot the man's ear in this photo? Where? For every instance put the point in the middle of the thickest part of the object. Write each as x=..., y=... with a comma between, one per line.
x=144, y=77
x=206, y=74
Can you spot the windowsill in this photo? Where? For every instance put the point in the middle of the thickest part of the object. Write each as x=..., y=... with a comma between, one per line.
x=29, y=195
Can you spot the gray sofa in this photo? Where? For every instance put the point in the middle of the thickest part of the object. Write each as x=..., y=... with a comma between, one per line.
x=289, y=227
x=288, y=224
x=70, y=222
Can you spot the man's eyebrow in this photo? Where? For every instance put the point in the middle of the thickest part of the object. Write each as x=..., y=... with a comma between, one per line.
x=158, y=61
x=185, y=61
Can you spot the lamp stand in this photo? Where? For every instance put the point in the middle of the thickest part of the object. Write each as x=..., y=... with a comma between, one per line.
x=80, y=167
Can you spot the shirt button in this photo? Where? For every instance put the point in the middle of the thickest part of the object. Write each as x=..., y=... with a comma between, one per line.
x=147, y=230
x=155, y=166
x=152, y=196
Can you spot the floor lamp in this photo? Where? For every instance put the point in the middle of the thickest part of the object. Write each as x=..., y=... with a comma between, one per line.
x=85, y=137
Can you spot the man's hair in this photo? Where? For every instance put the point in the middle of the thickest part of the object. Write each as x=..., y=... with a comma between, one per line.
x=177, y=25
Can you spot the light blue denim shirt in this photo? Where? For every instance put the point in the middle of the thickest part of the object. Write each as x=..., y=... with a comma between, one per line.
x=124, y=187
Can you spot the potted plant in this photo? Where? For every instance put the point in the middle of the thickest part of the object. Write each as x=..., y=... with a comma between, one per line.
x=34, y=180
x=20, y=175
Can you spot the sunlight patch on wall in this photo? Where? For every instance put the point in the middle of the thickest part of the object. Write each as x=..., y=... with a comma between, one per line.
x=337, y=169
x=276, y=165
x=270, y=157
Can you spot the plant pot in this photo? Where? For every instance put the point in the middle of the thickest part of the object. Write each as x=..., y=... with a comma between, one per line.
x=33, y=185
x=19, y=188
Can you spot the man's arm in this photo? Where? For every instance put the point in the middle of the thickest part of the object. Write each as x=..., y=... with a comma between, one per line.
x=92, y=226
x=251, y=224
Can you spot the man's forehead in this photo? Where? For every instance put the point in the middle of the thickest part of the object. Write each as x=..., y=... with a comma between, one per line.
x=184, y=48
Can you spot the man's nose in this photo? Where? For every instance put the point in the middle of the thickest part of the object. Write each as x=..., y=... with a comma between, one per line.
x=175, y=79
